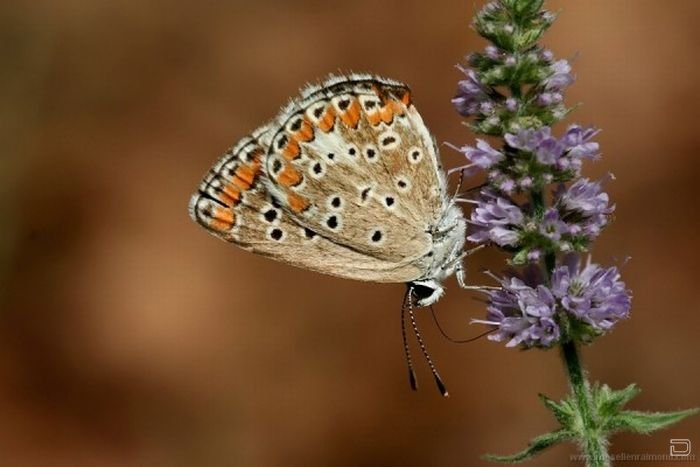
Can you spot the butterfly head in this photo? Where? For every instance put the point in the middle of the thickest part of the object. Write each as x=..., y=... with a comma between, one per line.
x=426, y=292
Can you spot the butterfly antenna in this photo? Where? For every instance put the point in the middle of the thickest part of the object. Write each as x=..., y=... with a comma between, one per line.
x=438, y=381
x=457, y=341
x=407, y=352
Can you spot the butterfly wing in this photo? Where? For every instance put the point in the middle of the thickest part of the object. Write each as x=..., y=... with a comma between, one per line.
x=353, y=161
x=233, y=203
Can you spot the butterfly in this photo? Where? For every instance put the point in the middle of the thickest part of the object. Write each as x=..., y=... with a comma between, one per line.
x=346, y=180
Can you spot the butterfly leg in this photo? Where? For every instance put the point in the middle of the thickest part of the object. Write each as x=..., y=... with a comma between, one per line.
x=460, y=272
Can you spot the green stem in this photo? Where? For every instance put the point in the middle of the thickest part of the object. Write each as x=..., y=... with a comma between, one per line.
x=593, y=442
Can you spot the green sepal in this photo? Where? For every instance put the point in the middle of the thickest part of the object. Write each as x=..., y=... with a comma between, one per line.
x=534, y=447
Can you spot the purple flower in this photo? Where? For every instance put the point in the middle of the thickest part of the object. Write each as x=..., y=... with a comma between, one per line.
x=483, y=155
x=486, y=107
x=593, y=295
x=546, y=148
x=471, y=94
x=578, y=144
x=585, y=205
x=511, y=104
x=534, y=256
x=496, y=219
x=528, y=139
x=585, y=197
x=549, y=151
x=493, y=52
x=548, y=98
x=552, y=227
x=523, y=314
x=565, y=153
x=560, y=76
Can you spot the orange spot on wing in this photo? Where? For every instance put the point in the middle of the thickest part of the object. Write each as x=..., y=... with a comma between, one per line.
x=289, y=176
x=292, y=150
x=406, y=98
x=240, y=183
x=296, y=202
x=396, y=107
x=246, y=173
x=306, y=132
x=232, y=194
x=386, y=113
x=327, y=120
x=374, y=118
x=351, y=116
x=222, y=219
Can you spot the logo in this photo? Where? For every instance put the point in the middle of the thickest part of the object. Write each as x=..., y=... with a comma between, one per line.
x=679, y=447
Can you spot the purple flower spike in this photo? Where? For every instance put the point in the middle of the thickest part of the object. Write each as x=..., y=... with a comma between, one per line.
x=496, y=219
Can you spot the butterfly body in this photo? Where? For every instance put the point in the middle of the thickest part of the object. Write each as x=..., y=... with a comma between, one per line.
x=346, y=181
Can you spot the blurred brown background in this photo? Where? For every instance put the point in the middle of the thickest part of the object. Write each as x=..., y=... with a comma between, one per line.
x=129, y=337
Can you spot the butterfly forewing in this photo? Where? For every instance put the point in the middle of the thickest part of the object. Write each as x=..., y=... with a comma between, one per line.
x=354, y=162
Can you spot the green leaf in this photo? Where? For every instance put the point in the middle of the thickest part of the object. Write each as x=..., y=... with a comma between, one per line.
x=535, y=446
x=563, y=411
x=610, y=402
x=645, y=422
